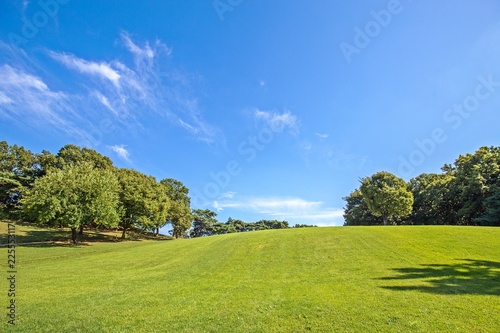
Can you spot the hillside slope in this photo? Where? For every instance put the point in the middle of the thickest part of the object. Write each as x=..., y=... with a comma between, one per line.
x=361, y=279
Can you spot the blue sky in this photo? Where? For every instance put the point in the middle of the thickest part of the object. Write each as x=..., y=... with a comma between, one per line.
x=265, y=110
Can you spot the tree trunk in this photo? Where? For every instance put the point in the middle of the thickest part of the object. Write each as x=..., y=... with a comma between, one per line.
x=157, y=231
x=385, y=219
x=81, y=230
x=124, y=232
x=74, y=236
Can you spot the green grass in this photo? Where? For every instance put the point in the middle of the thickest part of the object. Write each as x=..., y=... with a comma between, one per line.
x=358, y=279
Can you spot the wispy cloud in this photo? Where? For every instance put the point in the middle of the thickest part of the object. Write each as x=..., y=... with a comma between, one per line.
x=25, y=97
x=121, y=151
x=227, y=195
x=295, y=210
x=322, y=135
x=278, y=121
x=104, y=101
x=123, y=92
x=100, y=69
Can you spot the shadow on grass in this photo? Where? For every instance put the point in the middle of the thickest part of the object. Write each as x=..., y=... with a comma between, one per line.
x=62, y=237
x=467, y=277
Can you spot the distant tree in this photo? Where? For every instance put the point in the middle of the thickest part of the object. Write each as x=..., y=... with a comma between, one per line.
x=77, y=195
x=237, y=225
x=270, y=224
x=305, y=226
x=387, y=196
x=203, y=222
x=356, y=211
x=221, y=228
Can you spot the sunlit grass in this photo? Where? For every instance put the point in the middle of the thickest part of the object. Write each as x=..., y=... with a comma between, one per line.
x=358, y=279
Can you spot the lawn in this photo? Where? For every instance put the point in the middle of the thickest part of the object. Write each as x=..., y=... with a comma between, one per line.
x=344, y=279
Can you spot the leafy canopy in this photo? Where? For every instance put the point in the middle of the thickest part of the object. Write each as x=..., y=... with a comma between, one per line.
x=386, y=195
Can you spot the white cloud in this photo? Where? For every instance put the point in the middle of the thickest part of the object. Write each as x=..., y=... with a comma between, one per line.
x=145, y=52
x=26, y=98
x=322, y=135
x=217, y=207
x=104, y=101
x=227, y=195
x=294, y=210
x=121, y=152
x=101, y=69
x=5, y=99
x=278, y=121
x=131, y=92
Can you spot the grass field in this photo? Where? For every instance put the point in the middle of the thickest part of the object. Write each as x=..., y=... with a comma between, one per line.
x=344, y=279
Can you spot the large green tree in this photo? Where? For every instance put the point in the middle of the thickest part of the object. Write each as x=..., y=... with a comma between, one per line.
x=435, y=199
x=356, y=211
x=19, y=168
x=387, y=196
x=179, y=215
x=477, y=178
x=71, y=154
x=143, y=202
x=74, y=196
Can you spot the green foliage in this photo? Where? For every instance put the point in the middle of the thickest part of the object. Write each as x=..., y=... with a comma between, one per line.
x=71, y=154
x=386, y=195
x=179, y=214
x=491, y=215
x=18, y=170
x=357, y=212
x=435, y=201
x=305, y=226
x=466, y=193
x=75, y=196
x=203, y=222
x=477, y=176
x=144, y=203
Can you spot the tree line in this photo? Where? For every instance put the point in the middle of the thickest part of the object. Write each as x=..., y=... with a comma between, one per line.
x=466, y=192
x=80, y=188
x=205, y=224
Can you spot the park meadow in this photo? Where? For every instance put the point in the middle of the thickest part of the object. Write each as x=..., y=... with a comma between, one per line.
x=338, y=279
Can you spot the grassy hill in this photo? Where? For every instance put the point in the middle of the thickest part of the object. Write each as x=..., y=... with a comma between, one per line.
x=358, y=279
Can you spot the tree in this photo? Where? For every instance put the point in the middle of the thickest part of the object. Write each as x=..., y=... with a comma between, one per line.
x=203, y=222
x=491, y=215
x=143, y=203
x=74, y=196
x=179, y=214
x=435, y=201
x=237, y=225
x=356, y=211
x=387, y=196
x=477, y=176
x=71, y=154
x=18, y=170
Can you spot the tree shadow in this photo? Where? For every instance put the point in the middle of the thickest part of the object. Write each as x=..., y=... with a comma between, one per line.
x=467, y=277
x=62, y=237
